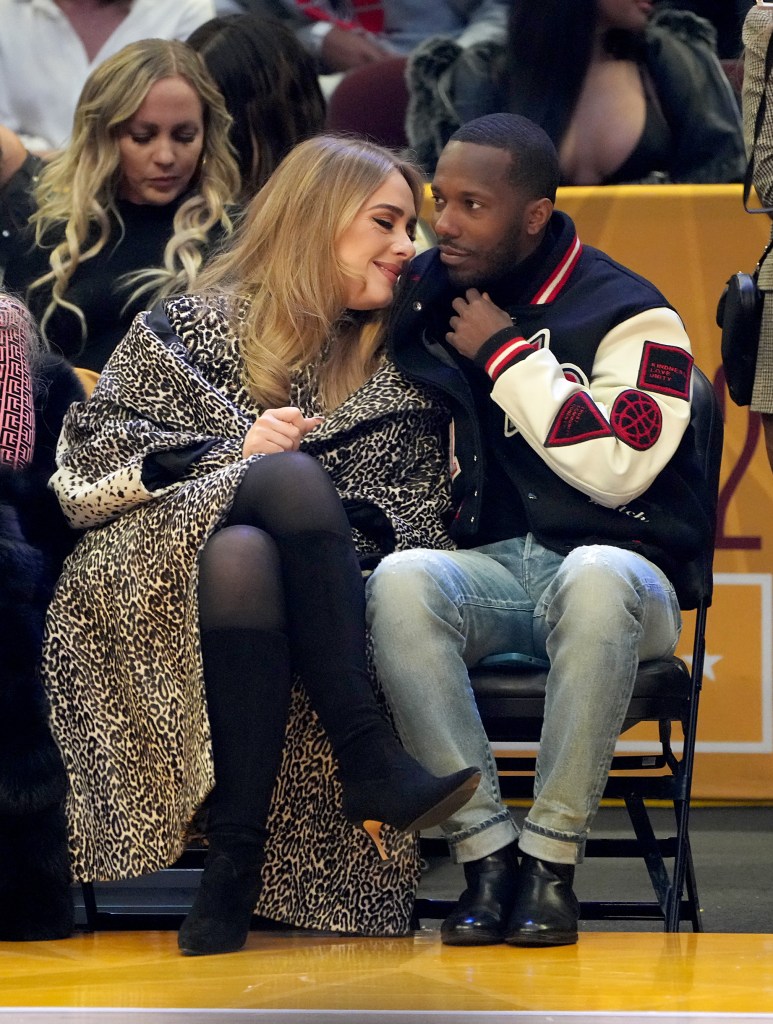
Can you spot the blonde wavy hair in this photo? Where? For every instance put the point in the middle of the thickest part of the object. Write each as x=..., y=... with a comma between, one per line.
x=283, y=261
x=78, y=190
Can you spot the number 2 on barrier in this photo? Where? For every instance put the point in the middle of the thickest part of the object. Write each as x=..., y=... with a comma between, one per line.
x=729, y=487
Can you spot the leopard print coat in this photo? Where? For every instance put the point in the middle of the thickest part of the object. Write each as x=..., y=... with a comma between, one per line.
x=122, y=660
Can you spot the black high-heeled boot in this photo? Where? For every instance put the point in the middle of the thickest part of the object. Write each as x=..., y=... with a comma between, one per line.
x=403, y=794
x=382, y=783
x=247, y=678
x=219, y=920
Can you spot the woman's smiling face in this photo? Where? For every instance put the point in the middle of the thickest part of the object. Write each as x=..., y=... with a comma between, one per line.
x=378, y=243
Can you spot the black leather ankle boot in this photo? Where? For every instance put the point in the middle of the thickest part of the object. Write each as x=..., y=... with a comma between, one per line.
x=220, y=917
x=484, y=908
x=545, y=911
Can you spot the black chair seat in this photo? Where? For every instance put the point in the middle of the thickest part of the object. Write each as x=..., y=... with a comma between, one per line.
x=512, y=703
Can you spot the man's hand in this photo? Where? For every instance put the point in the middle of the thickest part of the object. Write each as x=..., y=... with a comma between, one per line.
x=278, y=430
x=344, y=49
x=476, y=320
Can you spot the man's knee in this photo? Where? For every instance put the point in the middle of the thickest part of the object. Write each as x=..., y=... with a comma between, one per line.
x=400, y=586
x=602, y=565
x=597, y=582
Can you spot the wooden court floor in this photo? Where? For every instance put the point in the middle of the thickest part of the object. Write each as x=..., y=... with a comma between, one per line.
x=139, y=977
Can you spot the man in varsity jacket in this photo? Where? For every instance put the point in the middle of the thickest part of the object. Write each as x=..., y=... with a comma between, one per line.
x=577, y=499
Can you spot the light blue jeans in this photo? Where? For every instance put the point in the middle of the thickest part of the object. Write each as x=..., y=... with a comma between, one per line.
x=594, y=613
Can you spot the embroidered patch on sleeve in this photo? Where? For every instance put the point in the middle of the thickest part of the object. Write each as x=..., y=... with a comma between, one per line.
x=636, y=419
x=578, y=420
x=665, y=369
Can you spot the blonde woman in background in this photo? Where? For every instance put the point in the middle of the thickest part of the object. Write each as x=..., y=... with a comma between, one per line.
x=757, y=31
x=218, y=565
x=128, y=211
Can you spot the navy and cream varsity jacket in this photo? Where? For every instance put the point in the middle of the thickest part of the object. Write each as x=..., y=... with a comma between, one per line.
x=592, y=393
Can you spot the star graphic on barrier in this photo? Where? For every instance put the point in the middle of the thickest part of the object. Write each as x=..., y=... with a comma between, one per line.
x=709, y=661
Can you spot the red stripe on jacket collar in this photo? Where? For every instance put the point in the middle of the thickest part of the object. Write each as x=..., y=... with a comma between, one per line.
x=508, y=346
x=550, y=289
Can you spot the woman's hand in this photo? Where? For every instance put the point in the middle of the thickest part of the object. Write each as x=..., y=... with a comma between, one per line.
x=477, y=319
x=278, y=430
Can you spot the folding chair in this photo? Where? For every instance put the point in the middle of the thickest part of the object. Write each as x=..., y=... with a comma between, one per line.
x=510, y=693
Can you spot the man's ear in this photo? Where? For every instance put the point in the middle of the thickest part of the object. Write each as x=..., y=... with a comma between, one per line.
x=538, y=213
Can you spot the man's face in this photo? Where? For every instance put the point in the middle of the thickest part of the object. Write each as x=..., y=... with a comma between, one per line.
x=481, y=218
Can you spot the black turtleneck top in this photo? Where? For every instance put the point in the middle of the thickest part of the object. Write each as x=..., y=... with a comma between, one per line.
x=97, y=286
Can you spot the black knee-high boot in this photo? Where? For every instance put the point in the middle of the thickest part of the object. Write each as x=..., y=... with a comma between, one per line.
x=325, y=605
x=247, y=677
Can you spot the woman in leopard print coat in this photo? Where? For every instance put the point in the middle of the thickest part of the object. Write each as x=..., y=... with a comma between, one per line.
x=151, y=466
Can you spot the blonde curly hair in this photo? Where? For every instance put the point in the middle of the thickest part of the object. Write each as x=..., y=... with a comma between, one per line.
x=78, y=190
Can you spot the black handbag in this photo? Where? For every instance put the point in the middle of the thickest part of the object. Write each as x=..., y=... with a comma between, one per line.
x=739, y=312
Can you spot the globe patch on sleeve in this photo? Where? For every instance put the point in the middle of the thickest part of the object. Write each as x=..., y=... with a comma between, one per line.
x=636, y=419
x=665, y=369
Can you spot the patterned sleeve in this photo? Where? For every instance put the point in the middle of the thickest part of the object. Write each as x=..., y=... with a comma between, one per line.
x=384, y=450
x=17, y=413
x=416, y=492
x=611, y=437
x=151, y=398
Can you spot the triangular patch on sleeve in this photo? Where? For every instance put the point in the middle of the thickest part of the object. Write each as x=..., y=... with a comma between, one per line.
x=577, y=420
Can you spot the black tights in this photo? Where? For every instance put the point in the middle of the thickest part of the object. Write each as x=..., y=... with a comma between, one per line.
x=280, y=590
